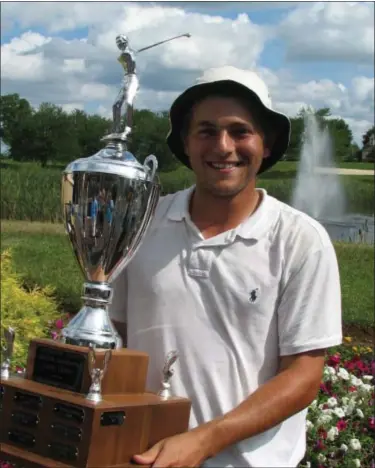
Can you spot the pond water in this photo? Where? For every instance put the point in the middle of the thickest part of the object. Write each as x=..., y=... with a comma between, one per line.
x=354, y=228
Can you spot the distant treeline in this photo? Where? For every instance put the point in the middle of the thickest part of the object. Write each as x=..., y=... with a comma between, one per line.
x=49, y=134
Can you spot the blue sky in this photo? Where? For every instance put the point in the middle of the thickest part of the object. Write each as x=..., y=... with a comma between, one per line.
x=318, y=54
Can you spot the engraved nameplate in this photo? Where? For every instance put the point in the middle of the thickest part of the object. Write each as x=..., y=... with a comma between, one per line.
x=112, y=418
x=73, y=434
x=21, y=438
x=68, y=412
x=62, y=451
x=59, y=368
x=28, y=400
x=25, y=419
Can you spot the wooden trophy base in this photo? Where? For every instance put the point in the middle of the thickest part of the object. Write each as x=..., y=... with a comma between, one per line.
x=46, y=426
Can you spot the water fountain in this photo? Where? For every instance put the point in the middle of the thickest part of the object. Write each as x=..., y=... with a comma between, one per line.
x=318, y=190
x=317, y=193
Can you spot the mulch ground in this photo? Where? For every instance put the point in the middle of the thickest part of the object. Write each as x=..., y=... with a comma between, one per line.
x=360, y=335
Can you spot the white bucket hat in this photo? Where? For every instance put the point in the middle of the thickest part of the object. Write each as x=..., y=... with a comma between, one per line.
x=246, y=84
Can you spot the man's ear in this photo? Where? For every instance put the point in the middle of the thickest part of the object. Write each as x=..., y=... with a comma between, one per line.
x=267, y=153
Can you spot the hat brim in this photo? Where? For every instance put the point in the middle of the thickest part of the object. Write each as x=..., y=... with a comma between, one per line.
x=182, y=105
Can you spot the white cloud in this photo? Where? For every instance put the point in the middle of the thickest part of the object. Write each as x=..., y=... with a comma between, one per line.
x=17, y=63
x=84, y=72
x=330, y=31
x=72, y=106
x=74, y=65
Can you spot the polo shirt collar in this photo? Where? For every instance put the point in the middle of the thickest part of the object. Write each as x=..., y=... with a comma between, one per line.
x=179, y=209
x=254, y=227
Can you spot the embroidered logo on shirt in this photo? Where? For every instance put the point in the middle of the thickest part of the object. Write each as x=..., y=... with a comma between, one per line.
x=254, y=294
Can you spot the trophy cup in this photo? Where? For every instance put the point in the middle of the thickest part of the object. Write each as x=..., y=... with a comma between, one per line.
x=82, y=401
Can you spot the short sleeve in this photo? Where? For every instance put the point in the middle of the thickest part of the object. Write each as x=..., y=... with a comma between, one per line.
x=118, y=308
x=309, y=311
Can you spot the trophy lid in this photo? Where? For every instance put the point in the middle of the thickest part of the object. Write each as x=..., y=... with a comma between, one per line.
x=113, y=160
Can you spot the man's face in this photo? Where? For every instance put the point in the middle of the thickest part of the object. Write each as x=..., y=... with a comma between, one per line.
x=225, y=146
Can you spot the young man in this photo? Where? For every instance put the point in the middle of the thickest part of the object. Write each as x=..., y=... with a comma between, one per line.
x=245, y=287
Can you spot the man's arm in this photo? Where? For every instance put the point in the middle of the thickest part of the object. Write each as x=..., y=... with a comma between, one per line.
x=290, y=391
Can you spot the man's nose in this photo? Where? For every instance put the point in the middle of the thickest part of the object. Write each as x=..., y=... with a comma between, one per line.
x=224, y=142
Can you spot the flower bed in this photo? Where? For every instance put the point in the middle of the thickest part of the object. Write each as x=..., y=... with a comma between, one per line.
x=340, y=422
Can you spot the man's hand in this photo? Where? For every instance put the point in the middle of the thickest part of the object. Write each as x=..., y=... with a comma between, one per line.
x=189, y=449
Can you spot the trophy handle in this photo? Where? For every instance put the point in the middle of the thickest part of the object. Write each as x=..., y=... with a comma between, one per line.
x=107, y=358
x=91, y=358
x=151, y=163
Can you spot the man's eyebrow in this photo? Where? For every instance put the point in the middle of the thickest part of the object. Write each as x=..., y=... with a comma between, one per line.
x=205, y=123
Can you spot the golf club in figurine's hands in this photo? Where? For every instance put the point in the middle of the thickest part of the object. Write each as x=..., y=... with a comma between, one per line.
x=82, y=400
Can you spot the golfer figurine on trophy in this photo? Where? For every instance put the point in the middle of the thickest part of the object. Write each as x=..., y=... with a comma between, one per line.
x=130, y=86
x=97, y=374
x=165, y=391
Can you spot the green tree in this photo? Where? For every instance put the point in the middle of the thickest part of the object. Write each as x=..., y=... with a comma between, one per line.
x=149, y=137
x=295, y=144
x=339, y=130
x=13, y=111
x=89, y=130
x=368, y=149
x=366, y=136
x=53, y=137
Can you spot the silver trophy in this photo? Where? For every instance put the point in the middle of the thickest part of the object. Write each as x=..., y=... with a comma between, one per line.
x=97, y=374
x=7, y=352
x=108, y=203
x=165, y=391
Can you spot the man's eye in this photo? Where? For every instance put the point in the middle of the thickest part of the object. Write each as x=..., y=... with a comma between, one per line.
x=241, y=131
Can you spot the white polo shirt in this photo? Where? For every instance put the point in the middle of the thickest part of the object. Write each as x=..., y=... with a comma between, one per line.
x=232, y=305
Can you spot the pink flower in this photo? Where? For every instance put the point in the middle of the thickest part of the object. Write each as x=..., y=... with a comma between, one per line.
x=59, y=324
x=319, y=445
x=322, y=433
x=54, y=335
x=334, y=360
x=371, y=423
x=341, y=425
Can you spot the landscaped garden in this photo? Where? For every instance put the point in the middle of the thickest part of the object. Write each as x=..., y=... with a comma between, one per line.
x=41, y=285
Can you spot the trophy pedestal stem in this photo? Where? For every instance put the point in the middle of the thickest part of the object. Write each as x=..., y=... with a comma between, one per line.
x=92, y=325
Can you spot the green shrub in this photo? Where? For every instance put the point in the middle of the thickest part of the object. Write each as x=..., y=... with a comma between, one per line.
x=32, y=313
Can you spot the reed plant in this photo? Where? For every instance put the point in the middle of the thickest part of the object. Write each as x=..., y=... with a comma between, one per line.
x=32, y=193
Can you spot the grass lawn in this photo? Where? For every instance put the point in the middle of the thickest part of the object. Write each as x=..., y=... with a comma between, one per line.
x=42, y=255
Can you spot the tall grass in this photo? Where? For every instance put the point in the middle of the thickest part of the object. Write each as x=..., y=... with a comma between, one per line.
x=44, y=257
x=31, y=193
